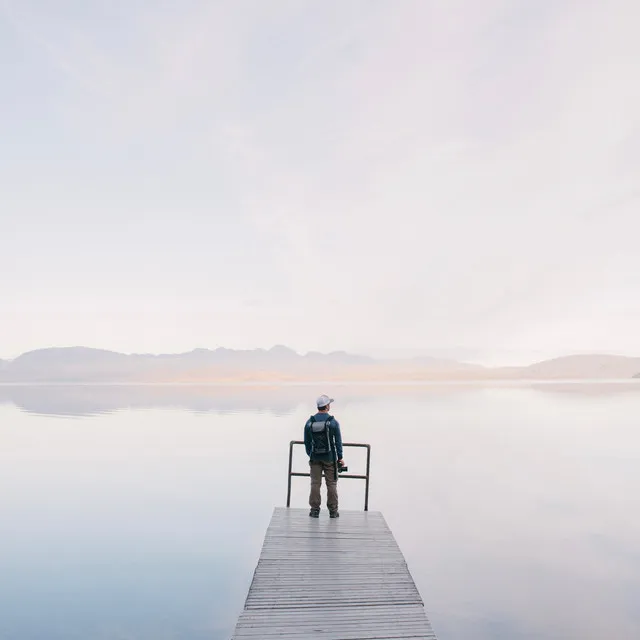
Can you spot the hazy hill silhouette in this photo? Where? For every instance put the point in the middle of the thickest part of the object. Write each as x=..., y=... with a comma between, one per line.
x=83, y=364
x=594, y=366
x=282, y=364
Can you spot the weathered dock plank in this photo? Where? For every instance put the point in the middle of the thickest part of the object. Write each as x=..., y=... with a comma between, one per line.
x=332, y=579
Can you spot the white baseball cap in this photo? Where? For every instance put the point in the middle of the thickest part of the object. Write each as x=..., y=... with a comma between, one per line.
x=323, y=401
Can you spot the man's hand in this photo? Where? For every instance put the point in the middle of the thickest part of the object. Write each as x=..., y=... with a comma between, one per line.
x=341, y=462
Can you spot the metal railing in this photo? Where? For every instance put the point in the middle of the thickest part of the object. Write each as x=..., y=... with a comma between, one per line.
x=342, y=475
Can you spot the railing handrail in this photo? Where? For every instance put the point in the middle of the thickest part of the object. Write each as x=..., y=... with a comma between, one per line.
x=342, y=475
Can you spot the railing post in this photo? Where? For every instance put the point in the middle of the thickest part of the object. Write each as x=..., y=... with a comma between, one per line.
x=289, y=474
x=366, y=488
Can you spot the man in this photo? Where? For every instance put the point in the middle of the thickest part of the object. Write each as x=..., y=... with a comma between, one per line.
x=323, y=442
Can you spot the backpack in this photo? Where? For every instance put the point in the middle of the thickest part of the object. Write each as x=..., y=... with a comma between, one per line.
x=320, y=435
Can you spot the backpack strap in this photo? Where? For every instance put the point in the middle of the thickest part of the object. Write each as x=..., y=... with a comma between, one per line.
x=332, y=443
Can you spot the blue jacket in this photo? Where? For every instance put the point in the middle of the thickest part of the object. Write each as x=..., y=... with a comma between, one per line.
x=334, y=436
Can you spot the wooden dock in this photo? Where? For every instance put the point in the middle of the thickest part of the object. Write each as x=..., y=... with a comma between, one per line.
x=332, y=579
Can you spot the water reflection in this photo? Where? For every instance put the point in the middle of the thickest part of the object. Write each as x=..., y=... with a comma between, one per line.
x=516, y=508
x=88, y=400
x=280, y=400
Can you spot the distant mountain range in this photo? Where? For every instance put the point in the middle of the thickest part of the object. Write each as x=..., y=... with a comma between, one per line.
x=282, y=364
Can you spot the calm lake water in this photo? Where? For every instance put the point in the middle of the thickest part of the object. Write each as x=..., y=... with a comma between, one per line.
x=138, y=513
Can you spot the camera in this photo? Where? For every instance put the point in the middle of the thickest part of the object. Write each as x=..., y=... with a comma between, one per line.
x=342, y=467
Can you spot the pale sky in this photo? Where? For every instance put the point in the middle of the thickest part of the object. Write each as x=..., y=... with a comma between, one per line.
x=365, y=175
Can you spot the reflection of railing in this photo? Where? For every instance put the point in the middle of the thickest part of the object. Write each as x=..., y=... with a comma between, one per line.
x=342, y=475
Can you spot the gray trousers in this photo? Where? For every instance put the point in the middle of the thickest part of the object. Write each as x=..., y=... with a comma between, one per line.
x=316, y=469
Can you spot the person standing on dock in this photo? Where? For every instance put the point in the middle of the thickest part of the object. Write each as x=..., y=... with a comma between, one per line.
x=323, y=442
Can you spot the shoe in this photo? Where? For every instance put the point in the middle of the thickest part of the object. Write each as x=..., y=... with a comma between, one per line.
x=314, y=513
x=334, y=514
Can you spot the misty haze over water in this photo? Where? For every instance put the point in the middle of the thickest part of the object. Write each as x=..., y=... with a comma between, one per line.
x=135, y=512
